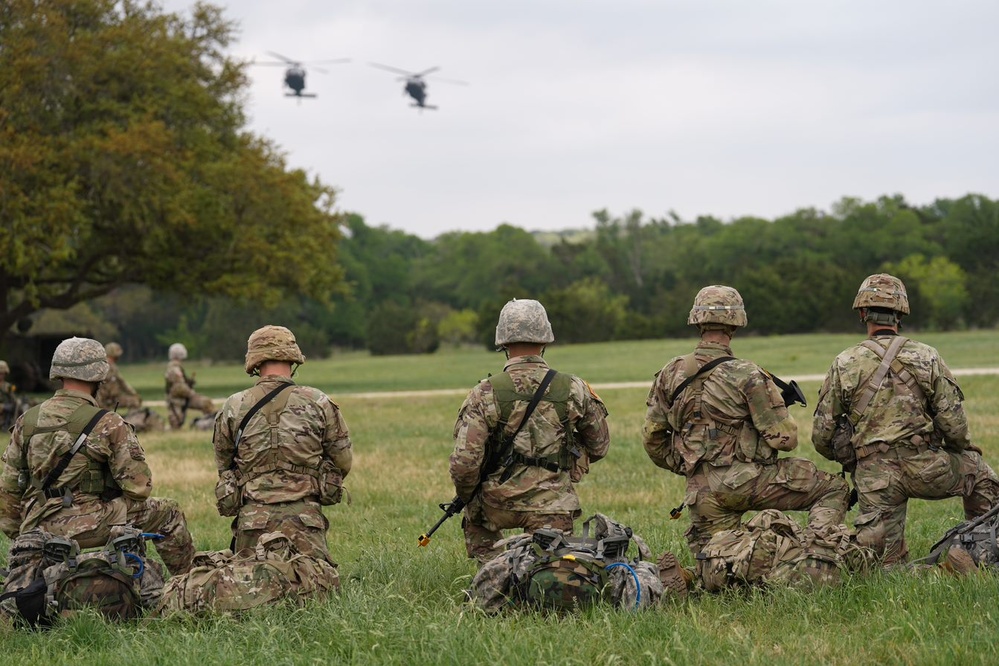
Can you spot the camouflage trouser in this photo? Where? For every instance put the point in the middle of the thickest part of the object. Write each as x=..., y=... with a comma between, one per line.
x=482, y=524
x=176, y=410
x=885, y=481
x=303, y=522
x=717, y=497
x=90, y=520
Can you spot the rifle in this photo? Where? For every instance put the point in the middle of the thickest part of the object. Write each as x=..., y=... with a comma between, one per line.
x=451, y=508
x=789, y=391
x=953, y=536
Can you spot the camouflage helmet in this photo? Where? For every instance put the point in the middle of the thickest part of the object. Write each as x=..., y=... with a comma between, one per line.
x=523, y=320
x=113, y=349
x=718, y=304
x=4, y=368
x=271, y=343
x=882, y=291
x=80, y=358
x=177, y=352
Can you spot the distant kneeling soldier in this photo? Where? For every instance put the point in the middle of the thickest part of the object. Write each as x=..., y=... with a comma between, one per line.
x=76, y=471
x=281, y=449
x=890, y=411
x=180, y=392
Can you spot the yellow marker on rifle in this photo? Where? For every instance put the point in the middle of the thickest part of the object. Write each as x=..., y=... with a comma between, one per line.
x=449, y=509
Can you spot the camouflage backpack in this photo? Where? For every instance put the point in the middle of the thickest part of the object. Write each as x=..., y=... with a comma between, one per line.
x=551, y=570
x=746, y=556
x=51, y=578
x=976, y=536
x=144, y=419
x=274, y=571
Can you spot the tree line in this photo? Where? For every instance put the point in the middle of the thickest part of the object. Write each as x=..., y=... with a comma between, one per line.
x=627, y=277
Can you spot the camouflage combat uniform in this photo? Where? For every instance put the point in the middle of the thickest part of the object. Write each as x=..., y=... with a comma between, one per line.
x=906, y=445
x=115, y=392
x=292, y=457
x=728, y=429
x=181, y=396
x=107, y=483
x=532, y=496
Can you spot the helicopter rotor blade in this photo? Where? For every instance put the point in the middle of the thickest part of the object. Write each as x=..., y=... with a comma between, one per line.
x=335, y=61
x=451, y=81
x=391, y=69
x=424, y=73
x=270, y=64
x=281, y=57
x=319, y=69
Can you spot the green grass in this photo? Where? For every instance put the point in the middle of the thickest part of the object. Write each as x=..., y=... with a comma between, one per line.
x=402, y=604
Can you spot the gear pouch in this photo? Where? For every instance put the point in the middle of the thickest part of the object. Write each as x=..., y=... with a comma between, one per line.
x=330, y=483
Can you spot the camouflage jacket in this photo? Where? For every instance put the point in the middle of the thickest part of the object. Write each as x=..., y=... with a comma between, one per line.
x=894, y=414
x=736, y=414
x=177, y=383
x=307, y=430
x=529, y=488
x=111, y=447
x=116, y=392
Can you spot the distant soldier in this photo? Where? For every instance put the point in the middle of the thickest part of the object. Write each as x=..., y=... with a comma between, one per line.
x=282, y=450
x=180, y=390
x=11, y=404
x=720, y=421
x=513, y=469
x=114, y=391
x=77, y=471
x=891, y=409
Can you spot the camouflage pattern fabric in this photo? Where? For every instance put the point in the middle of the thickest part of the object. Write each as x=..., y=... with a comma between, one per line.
x=144, y=419
x=523, y=320
x=271, y=343
x=302, y=521
x=271, y=572
x=718, y=304
x=79, y=358
x=529, y=489
x=115, y=392
x=181, y=395
x=293, y=455
x=908, y=446
x=111, y=463
x=724, y=432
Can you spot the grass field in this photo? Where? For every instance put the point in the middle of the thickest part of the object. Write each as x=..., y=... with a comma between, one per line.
x=403, y=604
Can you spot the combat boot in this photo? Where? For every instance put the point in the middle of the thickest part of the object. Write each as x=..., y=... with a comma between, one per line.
x=674, y=577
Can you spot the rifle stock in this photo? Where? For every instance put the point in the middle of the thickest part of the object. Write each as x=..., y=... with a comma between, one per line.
x=451, y=508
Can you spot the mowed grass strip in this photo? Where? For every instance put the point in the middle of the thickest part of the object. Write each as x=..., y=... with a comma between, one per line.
x=402, y=604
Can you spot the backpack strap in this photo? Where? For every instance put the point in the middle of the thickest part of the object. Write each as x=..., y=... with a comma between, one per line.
x=507, y=457
x=250, y=414
x=703, y=370
x=60, y=467
x=873, y=384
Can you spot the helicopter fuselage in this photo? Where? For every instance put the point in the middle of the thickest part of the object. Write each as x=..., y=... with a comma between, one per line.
x=417, y=89
x=294, y=78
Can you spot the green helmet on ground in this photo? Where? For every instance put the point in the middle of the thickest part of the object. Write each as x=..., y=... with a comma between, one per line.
x=113, y=349
x=271, y=343
x=80, y=358
x=523, y=320
x=718, y=304
x=882, y=291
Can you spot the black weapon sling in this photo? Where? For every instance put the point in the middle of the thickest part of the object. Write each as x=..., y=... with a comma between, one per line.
x=707, y=367
x=60, y=467
x=507, y=449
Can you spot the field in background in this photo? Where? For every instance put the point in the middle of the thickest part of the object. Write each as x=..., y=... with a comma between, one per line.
x=403, y=604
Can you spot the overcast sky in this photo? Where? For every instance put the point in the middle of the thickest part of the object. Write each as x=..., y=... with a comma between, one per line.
x=727, y=108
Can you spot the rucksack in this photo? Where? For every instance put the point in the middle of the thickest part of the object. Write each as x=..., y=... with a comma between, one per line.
x=144, y=419
x=554, y=571
x=976, y=536
x=272, y=572
x=50, y=578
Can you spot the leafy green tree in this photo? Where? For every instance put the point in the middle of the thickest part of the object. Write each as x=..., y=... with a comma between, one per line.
x=585, y=311
x=123, y=160
x=942, y=286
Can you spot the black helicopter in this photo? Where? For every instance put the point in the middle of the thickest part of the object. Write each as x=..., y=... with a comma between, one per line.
x=416, y=87
x=294, y=75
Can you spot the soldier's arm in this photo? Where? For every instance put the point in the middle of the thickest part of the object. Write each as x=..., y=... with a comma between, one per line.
x=948, y=408
x=657, y=434
x=769, y=413
x=592, y=429
x=336, y=442
x=10, y=491
x=126, y=458
x=223, y=438
x=471, y=437
x=178, y=386
x=829, y=406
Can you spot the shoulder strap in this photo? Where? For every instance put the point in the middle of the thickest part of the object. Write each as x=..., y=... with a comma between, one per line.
x=60, y=467
x=707, y=367
x=549, y=376
x=873, y=384
x=505, y=450
x=256, y=408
